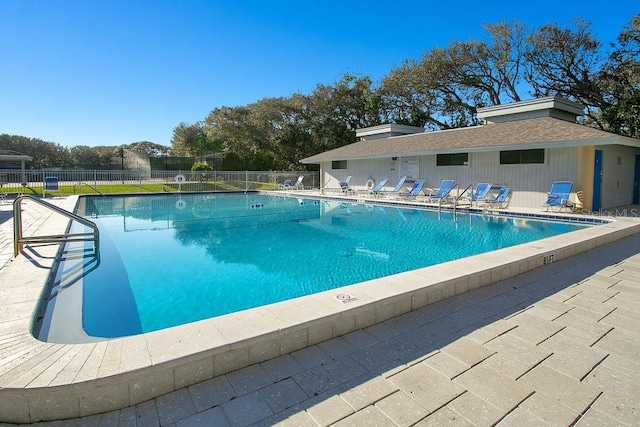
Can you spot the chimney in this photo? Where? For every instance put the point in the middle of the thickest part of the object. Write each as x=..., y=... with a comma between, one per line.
x=552, y=106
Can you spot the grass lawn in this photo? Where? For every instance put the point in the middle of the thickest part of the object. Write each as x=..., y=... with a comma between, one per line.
x=135, y=188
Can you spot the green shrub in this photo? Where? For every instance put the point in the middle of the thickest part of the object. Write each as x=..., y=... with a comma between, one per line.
x=201, y=167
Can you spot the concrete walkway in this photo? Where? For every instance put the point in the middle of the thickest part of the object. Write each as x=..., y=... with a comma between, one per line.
x=556, y=346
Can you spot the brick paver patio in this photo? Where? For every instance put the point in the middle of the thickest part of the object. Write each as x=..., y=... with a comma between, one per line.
x=557, y=346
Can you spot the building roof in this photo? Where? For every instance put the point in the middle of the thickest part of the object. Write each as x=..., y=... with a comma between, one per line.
x=550, y=106
x=387, y=130
x=541, y=132
x=10, y=155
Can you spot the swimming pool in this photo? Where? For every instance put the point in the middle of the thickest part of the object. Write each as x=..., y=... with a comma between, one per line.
x=167, y=260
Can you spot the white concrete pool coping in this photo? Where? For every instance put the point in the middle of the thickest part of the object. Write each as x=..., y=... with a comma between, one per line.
x=45, y=381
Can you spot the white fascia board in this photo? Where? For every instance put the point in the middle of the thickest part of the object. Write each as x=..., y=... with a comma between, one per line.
x=547, y=103
x=613, y=140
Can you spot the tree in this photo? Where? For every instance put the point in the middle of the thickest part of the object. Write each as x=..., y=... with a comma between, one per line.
x=45, y=154
x=188, y=139
x=565, y=63
x=407, y=98
x=149, y=149
x=281, y=137
x=333, y=113
x=444, y=89
x=92, y=157
x=233, y=127
x=504, y=60
x=620, y=82
x=278, y=132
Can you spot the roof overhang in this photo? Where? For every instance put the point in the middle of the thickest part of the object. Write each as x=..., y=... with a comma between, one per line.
x=15, y=158
x=21, y=158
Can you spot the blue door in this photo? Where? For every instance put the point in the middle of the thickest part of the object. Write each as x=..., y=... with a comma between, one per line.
x=597, y=181
x=636, y=182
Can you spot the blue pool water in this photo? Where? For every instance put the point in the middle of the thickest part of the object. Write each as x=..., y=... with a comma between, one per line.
x=167, y=260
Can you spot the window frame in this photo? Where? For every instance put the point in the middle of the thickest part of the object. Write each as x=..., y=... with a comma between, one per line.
x=339, y=164
x=522, y=157
x=451, y=157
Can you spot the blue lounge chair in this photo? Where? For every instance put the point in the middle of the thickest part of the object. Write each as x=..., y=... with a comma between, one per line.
x=344, y=185
x=298, y=184
x=479, y=194
x=396, y=189
x=378, y=188
x=502, y=199
x=443, y=192
x=286, y=185
x=415, y=191
x=559, y=195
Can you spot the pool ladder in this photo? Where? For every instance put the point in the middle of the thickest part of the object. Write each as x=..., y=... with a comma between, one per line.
x=455, y=200
x=469, y=190
x=19, y=240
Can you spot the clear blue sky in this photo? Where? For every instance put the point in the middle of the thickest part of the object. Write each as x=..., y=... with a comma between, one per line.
x=111, y=72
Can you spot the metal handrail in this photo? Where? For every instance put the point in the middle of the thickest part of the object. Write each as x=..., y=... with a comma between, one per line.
x=72, y=275
x=455, y=202
x=19, y=240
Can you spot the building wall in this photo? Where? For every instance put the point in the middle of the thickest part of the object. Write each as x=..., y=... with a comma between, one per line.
x=584, y=181
x=530, y=183
x=361, y=171
x=618, y=167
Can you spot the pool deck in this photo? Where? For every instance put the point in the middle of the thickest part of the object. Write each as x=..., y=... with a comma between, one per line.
x=542, y=333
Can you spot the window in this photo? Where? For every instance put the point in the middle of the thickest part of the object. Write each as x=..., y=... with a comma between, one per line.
x=454, y=159
x=339, y=164
x=519, y=157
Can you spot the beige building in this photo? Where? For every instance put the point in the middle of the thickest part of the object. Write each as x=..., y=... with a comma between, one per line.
x=527, y=145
